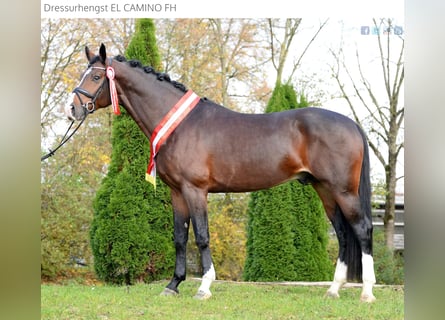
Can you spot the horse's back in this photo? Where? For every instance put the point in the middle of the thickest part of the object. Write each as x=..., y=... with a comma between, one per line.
x=278, y=131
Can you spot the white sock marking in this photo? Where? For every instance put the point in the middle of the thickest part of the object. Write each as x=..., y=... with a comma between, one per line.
x=368, y=275
x=339, y=278
x=207, y=279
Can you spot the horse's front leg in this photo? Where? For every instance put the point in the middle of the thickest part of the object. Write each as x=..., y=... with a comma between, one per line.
x=197, y=204
x=181, y=231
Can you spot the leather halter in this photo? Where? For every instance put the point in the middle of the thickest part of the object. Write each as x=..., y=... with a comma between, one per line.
x=90, y=105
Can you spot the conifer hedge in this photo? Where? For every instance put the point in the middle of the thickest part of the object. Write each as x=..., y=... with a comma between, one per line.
x=132, y=229
x=287, y=227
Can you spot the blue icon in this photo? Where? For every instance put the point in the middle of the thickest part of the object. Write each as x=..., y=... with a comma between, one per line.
x=365, y=30
x=395, y=30
x=398, y=30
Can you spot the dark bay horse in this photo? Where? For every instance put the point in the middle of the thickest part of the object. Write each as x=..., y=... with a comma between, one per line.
x=214, y=149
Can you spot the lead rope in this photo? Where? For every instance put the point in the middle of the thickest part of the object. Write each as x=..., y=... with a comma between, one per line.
x=114, y=100
x=65, y=138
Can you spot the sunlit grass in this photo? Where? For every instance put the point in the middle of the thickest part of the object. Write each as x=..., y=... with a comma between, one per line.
x=229, y=301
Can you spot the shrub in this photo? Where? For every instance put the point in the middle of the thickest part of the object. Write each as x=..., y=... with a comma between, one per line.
x=132, y=229
x=64, y=225
x=388, y=264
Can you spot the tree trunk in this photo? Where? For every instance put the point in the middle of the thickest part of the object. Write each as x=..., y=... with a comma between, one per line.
x=390, y=170
x=390, y=199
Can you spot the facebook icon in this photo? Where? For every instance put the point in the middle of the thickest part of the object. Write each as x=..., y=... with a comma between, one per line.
x=365, y=30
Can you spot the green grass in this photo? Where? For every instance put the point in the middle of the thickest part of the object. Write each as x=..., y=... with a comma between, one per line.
x=229, y=301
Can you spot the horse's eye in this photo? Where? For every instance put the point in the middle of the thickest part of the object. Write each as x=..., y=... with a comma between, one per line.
x=96, y=78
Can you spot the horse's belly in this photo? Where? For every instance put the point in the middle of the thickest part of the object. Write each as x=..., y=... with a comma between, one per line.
x=247, y=179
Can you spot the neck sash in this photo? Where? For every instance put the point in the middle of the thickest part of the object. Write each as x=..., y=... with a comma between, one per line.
x=167, y=125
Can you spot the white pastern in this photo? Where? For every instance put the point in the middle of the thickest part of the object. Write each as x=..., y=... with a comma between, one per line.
x=207, y=280
x=368, y=268
x=368, y=278
x=339, y=278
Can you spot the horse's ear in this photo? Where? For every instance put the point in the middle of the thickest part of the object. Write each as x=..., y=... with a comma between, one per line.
x=88, y=53
x=103, y=53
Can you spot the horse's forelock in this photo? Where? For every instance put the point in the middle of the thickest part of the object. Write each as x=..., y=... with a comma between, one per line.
x=93, y=60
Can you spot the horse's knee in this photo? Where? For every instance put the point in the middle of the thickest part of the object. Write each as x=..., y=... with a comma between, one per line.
x=202, y=241
x=180, y=245
x=180, y=239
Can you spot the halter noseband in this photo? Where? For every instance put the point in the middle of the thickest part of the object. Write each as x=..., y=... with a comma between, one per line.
x=90, y=106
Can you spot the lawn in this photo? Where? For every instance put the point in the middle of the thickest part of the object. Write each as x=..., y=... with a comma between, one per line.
x=229, y=301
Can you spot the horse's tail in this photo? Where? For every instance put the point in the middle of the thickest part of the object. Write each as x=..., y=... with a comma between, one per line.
x=364, y=190
x=352, y=254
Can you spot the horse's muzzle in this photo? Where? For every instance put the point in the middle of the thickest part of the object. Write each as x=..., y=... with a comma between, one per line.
x=74, y=113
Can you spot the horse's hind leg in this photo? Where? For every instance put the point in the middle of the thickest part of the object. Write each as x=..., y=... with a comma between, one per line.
x=361, y=225
x=340, y=225
x=364, y=233
x=340, y=275
x=334, y=215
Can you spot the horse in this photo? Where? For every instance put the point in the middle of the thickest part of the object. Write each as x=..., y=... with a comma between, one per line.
x=215, y=149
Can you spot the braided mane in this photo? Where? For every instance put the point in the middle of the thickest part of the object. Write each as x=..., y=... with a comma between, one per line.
x=159, y=75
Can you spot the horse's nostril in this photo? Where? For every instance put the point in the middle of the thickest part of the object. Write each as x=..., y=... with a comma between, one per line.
x=73, y=110
x=70, y=112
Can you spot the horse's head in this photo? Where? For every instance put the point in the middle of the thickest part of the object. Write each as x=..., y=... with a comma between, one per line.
x=93, y=90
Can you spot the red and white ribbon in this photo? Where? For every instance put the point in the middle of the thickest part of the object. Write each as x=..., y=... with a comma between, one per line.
x=167, y=125
x=113, y=92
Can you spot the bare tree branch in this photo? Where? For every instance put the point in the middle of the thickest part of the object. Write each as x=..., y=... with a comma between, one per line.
x=297, y=64
x=384, y=62
x=290, y=29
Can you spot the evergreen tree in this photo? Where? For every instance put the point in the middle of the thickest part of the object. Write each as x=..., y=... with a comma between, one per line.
x=287, y=228
x=131, y=233
x=270, y=244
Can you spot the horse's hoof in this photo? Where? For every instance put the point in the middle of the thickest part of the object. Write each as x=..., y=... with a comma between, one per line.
x=169, y=292
x=333, y=295
x=367, y=298
x=201, y=295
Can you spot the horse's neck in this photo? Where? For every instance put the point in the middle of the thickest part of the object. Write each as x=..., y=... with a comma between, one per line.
x=145, y=98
